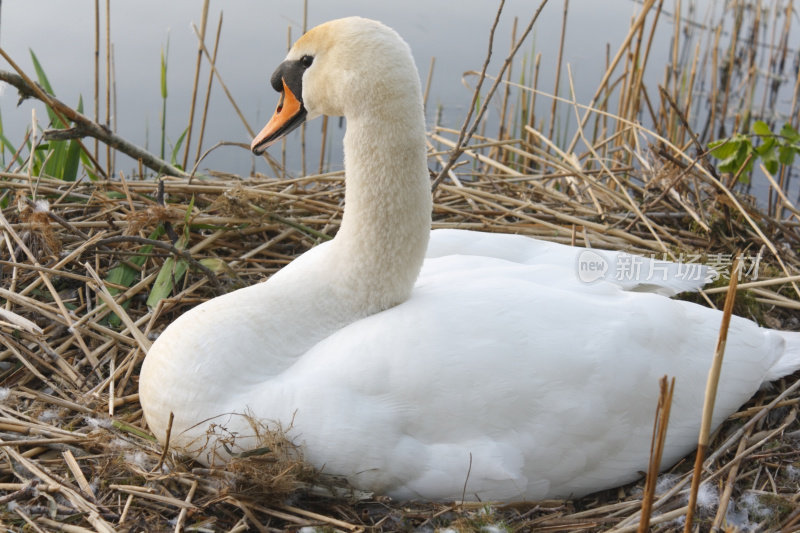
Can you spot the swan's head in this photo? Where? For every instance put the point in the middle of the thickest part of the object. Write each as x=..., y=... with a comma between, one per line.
x=341, y=68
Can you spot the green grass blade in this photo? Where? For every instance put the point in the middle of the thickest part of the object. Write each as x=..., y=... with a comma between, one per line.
x=173, y=270
x=56, y=158
x=62, y=157
x=177, y=148
x=170, y=274
x=88, y=166
x=125, y=274
x=5, y=144
x=72, y=157
x=41, y=77
x=164, y=56
x=122, y=426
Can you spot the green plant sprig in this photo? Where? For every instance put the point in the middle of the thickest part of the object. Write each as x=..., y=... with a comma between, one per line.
x=774, y=149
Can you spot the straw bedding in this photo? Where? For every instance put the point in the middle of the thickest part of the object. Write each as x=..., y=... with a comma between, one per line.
x=80, y=261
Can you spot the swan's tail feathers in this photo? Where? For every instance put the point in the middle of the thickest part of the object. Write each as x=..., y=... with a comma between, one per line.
x=789, y=362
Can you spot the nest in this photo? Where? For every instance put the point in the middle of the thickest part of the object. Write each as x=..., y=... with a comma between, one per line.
x=83, y=260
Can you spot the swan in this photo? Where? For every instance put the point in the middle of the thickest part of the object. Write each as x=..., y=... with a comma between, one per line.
x=429, y=364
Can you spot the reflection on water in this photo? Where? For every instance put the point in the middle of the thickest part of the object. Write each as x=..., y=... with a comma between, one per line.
x=254, y=40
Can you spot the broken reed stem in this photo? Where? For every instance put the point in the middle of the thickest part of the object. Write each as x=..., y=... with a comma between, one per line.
x=202, y=38
x=714, y=78
x=641, y=62
x=323, y=142
x=182, y=515
x=672, y=69
x=529, y=137
x=559, y=62
x=114, y=113
x=711, y=392
x=724, y=499
x=464, y=135
x=428, y=81
x=648, y=4
x=666, y=388
x=208, y=93
x=109, y=170
x=96, y=71
x=276, y=168
x=165, y=449
x=502, y=132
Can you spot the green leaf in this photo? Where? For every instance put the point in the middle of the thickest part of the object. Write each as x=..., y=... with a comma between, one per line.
x=761, y=129
x=45, y=83
x=734, y=163
x=4, y=144
x=63, y=157
x=770, y=161
x=723, y=149
x=125, y=274
x=187, y=217
x=786, y=154
x=736, y=159
x=790, y=134
x=56, y=158
x=177, y=148
x=171, y=273
x=71, y=162
x=766, y=147
x=72, y=158
x=188, y=214
x=40, y=75
x=164, y=54
x=88, y=166
x=122, y=426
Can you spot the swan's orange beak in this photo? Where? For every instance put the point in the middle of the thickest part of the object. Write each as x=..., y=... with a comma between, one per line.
x=289, y=114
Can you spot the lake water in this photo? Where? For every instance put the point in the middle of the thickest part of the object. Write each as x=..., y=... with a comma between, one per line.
x=254, y=41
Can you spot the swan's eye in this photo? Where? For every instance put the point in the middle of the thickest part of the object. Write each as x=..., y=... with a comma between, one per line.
x=306, y=61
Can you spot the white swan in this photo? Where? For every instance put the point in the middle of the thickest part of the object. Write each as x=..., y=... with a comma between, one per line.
x=494, y=365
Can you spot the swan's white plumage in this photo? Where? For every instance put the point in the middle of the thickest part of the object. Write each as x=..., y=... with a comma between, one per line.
x=500, y=368
x=634, y=273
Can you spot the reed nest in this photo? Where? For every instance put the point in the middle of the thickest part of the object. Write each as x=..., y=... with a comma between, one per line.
x=76, y=455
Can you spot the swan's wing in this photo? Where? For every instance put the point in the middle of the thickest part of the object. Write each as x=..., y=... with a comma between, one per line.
x=515, y=378
x=631, y=272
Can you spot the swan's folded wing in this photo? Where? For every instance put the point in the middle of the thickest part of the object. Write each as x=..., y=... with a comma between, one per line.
x=490, y=356
x=588, y=265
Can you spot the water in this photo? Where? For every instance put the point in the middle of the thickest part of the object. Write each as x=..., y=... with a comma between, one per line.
x=254, y=41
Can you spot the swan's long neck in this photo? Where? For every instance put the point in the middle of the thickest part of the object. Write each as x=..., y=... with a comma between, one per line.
x=375, y=258
x=384, y=234
x=249, y=338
